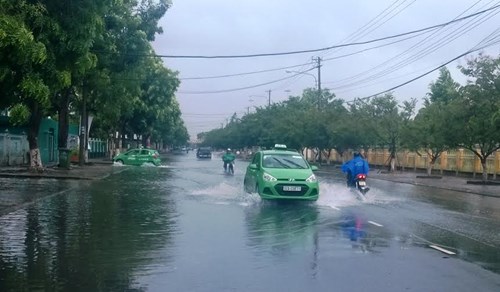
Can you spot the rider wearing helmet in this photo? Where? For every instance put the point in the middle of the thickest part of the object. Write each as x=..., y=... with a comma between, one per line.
x=354, y=167
x=228, y=158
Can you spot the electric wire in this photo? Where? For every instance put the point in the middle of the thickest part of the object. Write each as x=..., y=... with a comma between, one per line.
x=356, y=35
x=242, y=88
x=491, y=42
x=400, y=64
x=380, y=24
x=420, y=43
x=294, y=66
x=304, y=64
x=244, y=73
x=458, y=32
x=325, y=48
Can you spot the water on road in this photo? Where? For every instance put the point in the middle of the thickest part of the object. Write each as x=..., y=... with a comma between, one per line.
x=186, y=226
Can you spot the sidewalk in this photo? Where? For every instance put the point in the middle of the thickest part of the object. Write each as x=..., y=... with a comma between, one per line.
x=446, y=182
x=95, y=169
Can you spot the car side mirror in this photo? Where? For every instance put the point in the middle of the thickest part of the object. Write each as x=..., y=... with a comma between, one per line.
x=314, y=167
x=253, y=166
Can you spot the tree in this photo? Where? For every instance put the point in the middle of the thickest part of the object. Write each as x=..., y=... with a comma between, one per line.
x=430, y=130
x=476, y=111
x=22, y=59
x=386, y=120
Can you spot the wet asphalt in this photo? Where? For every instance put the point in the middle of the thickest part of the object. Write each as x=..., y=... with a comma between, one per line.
x=187, y=227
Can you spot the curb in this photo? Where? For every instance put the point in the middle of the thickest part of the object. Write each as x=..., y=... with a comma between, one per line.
x=440, y=187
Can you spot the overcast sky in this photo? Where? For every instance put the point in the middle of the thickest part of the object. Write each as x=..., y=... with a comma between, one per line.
x=239, y=27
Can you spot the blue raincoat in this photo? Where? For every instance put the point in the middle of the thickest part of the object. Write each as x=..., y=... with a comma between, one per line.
x=354, y=167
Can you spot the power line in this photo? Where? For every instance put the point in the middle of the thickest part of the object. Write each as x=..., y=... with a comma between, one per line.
x=326, y=48
x=424, y=52
x=355, y=35
x=243, y=74
x=301, y=65
x=241, y=88
x=420, y=43
x=493, y=41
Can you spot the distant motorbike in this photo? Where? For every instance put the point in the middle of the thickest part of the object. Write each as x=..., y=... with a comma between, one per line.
x=229, y=168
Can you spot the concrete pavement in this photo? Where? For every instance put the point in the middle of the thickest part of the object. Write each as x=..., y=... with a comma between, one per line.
x=446, y=182
x=95, y=169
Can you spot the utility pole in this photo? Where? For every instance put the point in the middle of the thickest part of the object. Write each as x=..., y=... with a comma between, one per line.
x=269, y=97
x=320, y=95
x=318, y=61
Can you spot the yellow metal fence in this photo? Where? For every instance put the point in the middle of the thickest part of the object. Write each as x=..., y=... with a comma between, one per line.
x=461, y=160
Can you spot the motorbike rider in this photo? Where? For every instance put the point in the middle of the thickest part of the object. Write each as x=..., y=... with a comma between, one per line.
x=228, y=158
x=353, y=167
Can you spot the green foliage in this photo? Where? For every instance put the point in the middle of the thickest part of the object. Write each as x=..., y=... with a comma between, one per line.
x=20, y=114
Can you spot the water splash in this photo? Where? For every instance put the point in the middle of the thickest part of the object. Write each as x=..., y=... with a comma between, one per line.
x=335, y=195
x=224, y=193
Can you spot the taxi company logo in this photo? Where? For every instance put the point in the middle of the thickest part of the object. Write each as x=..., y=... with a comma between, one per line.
x=291, y=179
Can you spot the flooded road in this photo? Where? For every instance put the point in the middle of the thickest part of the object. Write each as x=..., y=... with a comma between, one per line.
x=186, y=226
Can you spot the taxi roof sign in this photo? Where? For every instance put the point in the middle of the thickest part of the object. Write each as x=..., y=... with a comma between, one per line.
x=279, y=146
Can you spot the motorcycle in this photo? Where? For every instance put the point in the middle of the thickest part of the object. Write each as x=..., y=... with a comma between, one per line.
x=229, y=168
x=360, y=183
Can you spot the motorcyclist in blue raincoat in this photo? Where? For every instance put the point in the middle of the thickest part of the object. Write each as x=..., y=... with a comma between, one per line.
x=354, y=167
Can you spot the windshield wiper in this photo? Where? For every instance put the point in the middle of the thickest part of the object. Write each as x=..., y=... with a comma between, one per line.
x=281, y=163
x=293, y=163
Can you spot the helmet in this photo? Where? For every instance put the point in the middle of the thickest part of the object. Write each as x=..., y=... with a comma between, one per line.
x=228, y=149
x=356, y=154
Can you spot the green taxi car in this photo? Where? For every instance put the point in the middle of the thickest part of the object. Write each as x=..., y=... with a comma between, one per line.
x=281, y=174
x=138, y=156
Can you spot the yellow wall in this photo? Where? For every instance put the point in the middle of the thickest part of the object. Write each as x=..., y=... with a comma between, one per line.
x=460, y=160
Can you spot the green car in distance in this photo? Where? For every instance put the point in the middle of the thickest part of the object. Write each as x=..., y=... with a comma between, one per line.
x=281, y=174
x=138, y=156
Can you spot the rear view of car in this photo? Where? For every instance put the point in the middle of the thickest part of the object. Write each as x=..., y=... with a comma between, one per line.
x=204, y=152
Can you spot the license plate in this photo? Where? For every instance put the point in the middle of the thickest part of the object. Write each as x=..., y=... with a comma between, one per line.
x=362, y=183
x=292, y=188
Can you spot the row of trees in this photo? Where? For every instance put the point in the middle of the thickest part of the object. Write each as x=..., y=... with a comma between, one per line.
x=452, y=116
x=67, y=59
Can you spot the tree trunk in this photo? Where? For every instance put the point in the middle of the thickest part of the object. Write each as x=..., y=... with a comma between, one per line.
x=485, y=168
x=429, y=168
x=63, y=116
x=33, y=128
x=63, y=121
x=392, y=162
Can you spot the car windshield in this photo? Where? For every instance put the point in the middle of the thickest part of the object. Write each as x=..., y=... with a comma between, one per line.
x=294, y=161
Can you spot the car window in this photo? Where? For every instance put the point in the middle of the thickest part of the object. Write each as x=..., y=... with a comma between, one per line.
x=293, y=161
x=144, y=152
x=133, y=152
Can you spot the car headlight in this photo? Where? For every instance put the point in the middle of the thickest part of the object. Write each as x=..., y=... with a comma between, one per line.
x=311, y=178
x=268, y=177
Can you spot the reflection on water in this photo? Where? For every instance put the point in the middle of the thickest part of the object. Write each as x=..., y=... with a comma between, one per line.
x=355, y=228
x=278, y=226
x=91, y=240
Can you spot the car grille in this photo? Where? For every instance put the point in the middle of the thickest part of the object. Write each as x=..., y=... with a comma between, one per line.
x=287, y=179
x=303, y=190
